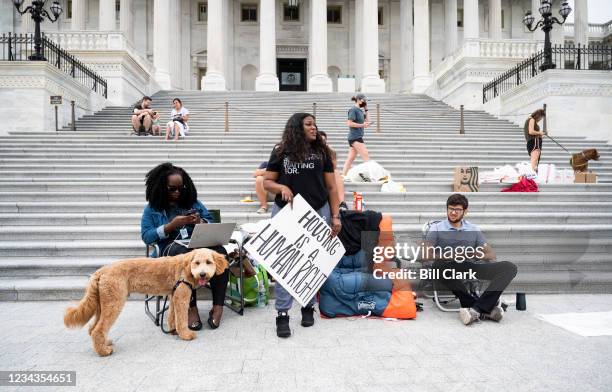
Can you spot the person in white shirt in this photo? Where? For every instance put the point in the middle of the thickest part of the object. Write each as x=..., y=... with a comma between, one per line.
x=178, y=123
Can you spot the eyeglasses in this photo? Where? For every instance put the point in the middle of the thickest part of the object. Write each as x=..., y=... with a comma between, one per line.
x=173, y=189
x=456, y=210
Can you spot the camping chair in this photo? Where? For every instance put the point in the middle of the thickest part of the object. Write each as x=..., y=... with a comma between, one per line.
x=440, y=295
x=234, y=302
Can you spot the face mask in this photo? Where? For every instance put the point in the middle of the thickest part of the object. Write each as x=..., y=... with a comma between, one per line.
x=362, y=104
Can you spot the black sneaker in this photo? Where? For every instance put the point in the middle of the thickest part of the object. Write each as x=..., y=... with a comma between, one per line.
x=343, y=206
x=307, y=316
x=282, y=325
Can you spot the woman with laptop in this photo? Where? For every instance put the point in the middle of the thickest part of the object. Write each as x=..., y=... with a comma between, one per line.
x=172, y=211
x=301, y=164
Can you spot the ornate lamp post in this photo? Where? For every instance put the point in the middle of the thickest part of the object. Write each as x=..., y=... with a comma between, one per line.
x=39, y=13
x=546, y=23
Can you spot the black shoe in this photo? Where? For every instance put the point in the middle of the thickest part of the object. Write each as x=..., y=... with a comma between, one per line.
x=343, y=206
x=282, y=325
x=307, y=316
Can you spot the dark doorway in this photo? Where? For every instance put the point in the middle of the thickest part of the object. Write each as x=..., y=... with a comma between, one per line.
x=291, y=74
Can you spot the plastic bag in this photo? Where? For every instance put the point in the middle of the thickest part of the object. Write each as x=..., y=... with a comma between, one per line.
x=370, y=171
x=392, y=186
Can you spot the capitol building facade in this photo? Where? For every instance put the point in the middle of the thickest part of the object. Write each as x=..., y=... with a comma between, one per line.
x=447, y=49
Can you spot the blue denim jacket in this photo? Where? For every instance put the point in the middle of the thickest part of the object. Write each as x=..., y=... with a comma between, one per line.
x=153, y=221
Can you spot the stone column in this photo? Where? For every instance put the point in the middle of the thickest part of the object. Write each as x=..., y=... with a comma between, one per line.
x=422, y=78
x=581, y=23
x=538, y=35
x=471, y=29
x=107, y=16
x=161, y=43
x=370, y=80
x=79, y=15
x=495, y=22
x=406, y=45
x=214, y=80
x=319, y=80
x=450, y=24
x=267, y=80
x=125, y=19
x=27, y=23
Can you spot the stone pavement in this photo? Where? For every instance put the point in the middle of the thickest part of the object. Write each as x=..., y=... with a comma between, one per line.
x=432, y=353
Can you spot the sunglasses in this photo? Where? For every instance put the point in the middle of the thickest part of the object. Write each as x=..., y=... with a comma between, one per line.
x=173, y=189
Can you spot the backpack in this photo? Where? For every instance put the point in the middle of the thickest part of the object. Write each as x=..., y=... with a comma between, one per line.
x=252, y=287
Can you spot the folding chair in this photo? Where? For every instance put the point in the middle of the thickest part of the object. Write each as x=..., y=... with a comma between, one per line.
x=235, y=303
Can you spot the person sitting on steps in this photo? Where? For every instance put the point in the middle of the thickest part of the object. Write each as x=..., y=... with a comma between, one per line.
x=142, y=116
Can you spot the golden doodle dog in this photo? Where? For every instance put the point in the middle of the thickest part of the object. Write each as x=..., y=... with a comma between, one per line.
x=109, y=287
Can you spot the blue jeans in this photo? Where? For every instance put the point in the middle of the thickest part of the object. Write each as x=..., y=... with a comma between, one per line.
x=284, y=300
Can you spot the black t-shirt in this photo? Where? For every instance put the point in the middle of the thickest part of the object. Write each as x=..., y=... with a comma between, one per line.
x=304, y=178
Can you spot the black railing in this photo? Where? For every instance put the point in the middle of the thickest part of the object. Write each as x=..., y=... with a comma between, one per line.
x=19, y=47
x=595, y=57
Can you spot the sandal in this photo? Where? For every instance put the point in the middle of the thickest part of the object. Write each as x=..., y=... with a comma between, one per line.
x=211, y=320
x=197, y=324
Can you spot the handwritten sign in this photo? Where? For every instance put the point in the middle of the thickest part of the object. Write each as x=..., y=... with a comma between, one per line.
x=297, y=250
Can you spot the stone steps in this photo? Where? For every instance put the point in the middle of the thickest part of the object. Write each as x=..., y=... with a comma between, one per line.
x=70, y=202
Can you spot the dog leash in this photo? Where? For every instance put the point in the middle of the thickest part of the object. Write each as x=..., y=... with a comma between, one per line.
x=164, y=309
x=558, y=144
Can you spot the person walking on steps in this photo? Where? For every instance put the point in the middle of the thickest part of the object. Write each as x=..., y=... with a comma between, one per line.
x=301, y=164
x=358, y=120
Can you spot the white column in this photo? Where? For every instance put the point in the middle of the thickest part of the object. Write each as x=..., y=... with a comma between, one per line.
x=538, y=35
x=495, y=22
x=161, y=43
x=319, y=80
x=422, y=78
x=27, y=23
x=214, y=80
x=370, y=80
x=471, y=29
x=107, y=15
x=406, y=45
x=581, y=23
x=125, y=19
x=267, y=80
x=79, y=15
x=450, y=24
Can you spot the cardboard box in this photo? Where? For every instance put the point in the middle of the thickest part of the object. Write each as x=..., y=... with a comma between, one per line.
x=466, y=179
x=585, y=178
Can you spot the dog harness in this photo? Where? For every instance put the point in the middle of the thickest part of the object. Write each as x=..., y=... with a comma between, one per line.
x=178, y=283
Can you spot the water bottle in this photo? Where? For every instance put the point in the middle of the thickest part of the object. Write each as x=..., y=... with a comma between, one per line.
x=261, y=293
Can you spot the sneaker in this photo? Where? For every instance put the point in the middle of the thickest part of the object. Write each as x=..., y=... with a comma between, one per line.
x=282, y=325
x=496, y=314
x=343, y=206
x=262, y=210
x=307, y=316
x=468, y=315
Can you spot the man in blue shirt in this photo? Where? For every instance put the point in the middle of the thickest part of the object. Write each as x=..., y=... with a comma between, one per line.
x=461, y=252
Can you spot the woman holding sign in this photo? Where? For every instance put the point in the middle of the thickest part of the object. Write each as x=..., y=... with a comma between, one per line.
x=301, y=164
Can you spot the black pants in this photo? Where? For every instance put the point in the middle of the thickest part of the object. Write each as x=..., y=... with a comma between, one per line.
x=218, y=283
x=499, y=273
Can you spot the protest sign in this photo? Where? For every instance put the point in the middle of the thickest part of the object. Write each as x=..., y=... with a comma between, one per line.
x=296, y=248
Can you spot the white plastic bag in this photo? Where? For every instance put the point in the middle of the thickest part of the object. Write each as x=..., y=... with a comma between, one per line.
x=392, y=186
x=546, y=173
x=524, y=169
x=370, y=171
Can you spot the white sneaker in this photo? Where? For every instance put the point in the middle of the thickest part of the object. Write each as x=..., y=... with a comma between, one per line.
x=468, y=315
x=496, y=314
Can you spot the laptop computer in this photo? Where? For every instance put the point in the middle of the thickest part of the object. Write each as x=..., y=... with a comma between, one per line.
x=209, y=234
